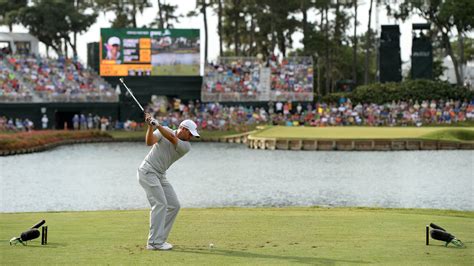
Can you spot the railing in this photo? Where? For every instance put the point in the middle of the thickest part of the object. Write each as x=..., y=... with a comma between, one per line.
x=50, y=97
x=87, y=97
x=240, y=97
x=15, y=98
x=291, y=96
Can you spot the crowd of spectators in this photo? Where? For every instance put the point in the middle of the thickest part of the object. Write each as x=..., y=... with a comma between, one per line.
x=103, y=123
x=291, y=75
x=78, y=122
x=11, y=89
x=214, y=116
x=63, y=80
x=241, y=76
x=16, y=124
x=252, y=79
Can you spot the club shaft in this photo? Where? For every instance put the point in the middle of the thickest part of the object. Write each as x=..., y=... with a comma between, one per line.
x=133, y=96
x=435, y=226
x=37, y=225
x=153, y=122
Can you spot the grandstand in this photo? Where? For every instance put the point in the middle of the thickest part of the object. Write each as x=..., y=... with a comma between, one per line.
x=32, y=86
x=250, y=79
x=34, y=79
x=233, y=91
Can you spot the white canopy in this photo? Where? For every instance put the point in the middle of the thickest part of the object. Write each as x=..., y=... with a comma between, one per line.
x=13, y=37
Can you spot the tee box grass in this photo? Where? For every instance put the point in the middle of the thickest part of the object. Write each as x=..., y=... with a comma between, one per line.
x=251, y=236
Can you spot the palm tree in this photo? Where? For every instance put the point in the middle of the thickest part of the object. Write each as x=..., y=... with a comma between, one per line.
x=367, y=47
x=201, y=6
x=204, y=15
x=354, y=51
x=219, y=25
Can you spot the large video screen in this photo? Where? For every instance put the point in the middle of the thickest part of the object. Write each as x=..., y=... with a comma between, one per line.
x=149, y=52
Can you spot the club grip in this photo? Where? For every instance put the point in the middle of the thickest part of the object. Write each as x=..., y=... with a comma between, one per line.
x=37, y=225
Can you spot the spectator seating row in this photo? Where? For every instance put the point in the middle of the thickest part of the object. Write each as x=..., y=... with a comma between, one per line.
x=33, y=78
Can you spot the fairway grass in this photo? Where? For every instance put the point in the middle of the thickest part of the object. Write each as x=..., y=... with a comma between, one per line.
x=255, y=236
x=440, y=133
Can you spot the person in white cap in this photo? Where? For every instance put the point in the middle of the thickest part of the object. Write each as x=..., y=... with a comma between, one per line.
x=168, y=147
x=113, y=48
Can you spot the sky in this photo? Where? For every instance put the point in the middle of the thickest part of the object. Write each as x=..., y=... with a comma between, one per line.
x=184, y=6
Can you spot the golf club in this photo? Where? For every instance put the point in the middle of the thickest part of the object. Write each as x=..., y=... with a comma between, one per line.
x=153, y=121
x=28, y=235
x=39, y=224
x=439, y=233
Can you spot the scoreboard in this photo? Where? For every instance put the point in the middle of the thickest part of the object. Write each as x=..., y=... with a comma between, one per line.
x=149, y=52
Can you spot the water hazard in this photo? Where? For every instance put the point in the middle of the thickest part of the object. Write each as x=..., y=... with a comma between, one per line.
x=103, y=177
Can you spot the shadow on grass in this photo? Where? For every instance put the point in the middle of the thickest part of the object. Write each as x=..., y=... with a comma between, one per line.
x=450, y=246
x=249, y=255
x=38, y=245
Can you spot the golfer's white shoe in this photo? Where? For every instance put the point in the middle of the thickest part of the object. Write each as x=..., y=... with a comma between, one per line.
x=164, y=246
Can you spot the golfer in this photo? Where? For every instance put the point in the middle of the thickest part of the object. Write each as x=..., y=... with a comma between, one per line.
x=113, y=48
x=168, y=147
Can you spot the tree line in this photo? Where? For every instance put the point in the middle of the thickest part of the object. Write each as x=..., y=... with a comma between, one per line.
x=266, y=27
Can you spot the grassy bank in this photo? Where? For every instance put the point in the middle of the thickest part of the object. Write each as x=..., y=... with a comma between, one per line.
x=205, y=135
x=30, y=140
x=438, y=133
x=27, y=140
x=243, y=236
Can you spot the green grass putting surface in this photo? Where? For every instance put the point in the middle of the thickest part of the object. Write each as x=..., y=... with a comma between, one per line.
x=243, y=236
x=364, y=133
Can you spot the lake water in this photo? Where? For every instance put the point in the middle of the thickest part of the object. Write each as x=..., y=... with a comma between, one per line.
x=103, y=177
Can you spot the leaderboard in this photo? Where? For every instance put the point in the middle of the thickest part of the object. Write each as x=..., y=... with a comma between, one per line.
x=147, y=52
x=137, y=50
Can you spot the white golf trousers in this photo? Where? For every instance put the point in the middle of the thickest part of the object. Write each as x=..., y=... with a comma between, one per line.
x=164, y=205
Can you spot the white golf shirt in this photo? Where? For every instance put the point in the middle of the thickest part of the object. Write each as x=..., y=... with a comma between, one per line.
x=163, y=153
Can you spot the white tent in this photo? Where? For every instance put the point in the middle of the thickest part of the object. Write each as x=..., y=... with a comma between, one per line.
x=20, y=42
